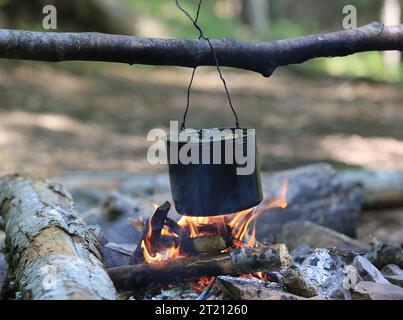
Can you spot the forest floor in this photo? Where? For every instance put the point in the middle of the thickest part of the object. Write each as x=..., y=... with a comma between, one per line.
x=92, y=116
x=73, y=117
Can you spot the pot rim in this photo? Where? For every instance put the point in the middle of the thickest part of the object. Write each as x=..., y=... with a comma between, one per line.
x=249, y=132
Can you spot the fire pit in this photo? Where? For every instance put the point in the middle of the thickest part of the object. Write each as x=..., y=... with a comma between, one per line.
x=213, y=244
x=164, y=238
x=186, y=257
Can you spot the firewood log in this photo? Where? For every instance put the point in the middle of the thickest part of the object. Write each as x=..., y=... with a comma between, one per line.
x=382, y=189
x=314, y=194
x=117, y=254
x=211, y=244
x=235, y=263
x=295, y=233
x=156, y=224
x=51, y=252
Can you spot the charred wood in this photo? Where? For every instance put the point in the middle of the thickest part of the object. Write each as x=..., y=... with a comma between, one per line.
x=205, y=244
x=156, y=222
x=235, y=263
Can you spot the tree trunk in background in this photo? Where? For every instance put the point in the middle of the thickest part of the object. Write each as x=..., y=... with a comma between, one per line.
x=90, y=15
x=391, y=14
x=256, y=14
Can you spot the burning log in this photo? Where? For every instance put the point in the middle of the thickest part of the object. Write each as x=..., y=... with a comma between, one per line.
x=205, y=244
x=152, y=232
x=164, y=238
x=50, y=250
x=235, y=263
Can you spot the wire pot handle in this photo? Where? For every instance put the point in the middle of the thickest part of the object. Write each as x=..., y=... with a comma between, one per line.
x=201, y=36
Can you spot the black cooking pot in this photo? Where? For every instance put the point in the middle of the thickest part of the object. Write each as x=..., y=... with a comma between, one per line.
x=210, y=184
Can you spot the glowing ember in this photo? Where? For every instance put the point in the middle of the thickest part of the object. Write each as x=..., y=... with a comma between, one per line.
x=241, y=227
x=202, y=283
x=257, y=275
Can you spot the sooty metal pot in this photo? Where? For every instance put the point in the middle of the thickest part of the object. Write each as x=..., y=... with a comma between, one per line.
x=211, y=184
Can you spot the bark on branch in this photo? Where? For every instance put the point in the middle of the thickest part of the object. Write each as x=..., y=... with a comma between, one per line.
x=51, y=252
x=262, y=57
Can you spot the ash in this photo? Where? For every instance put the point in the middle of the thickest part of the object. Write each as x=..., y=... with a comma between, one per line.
x=176, y=293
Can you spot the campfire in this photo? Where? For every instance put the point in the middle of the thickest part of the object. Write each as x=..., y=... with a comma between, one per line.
x=166, y=239
x=215, y=257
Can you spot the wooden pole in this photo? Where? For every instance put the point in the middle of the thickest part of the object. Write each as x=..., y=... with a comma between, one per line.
x=263, y=57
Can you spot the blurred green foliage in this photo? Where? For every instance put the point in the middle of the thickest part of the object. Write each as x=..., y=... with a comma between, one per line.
x=289, y=19
x=363, y=65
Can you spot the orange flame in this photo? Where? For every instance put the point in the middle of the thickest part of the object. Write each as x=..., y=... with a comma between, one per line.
x=239, y=224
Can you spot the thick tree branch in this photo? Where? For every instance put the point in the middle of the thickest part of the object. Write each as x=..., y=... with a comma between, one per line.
x=262, y=57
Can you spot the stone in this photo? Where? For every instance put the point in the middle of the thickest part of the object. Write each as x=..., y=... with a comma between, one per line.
x=326, y=272
x=3, y=263
x=391, y=270
x=367, y=271
x=351, y=277
x=396, y=237
x=382, y=254
x=296, y=282
x=393, y=274
x=396, y=280
x=236, y=288
x=366, y=290
x=345, y=255
x=300, y=253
